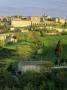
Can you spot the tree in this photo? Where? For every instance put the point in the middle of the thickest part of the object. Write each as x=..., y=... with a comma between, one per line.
x=37, y=48
x=58, y=51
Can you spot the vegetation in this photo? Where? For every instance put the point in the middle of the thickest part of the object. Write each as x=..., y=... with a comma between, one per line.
x=51, y=80
x=58, y=52
x=33, y=45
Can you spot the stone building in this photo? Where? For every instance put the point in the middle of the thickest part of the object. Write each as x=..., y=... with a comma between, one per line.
x=36, y=66
x=36, y=19
x=26, y=21
x=20, y=23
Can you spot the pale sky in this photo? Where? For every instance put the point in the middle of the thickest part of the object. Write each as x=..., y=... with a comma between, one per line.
x=33, y=7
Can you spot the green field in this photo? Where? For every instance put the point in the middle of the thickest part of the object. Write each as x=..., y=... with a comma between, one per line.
x=24, y=49
x=51, y=42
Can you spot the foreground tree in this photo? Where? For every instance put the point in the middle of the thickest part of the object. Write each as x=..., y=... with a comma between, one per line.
x=58, y=52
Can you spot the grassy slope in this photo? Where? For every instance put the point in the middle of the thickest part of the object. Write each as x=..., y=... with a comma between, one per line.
x=49, y=43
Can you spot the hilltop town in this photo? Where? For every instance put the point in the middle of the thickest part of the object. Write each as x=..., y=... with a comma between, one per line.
x=12, y=24
x=25, y=21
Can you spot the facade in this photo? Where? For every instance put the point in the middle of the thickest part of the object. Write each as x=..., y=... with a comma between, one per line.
x=1, y=18
x=36, y=19
x=62, y=21
x=20, y=23
x=4, y=36
x=36, y=66
x=59, y=20
x=26, y=21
